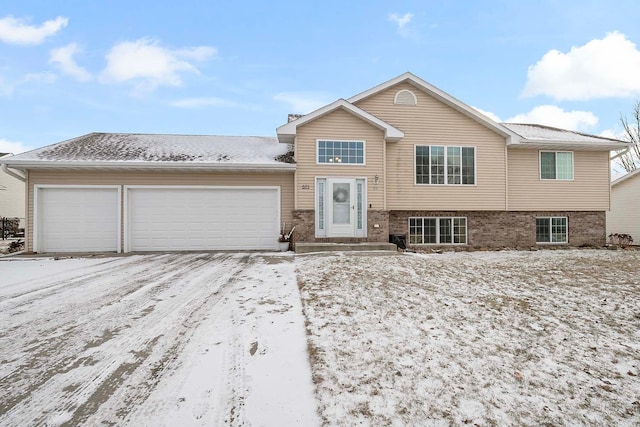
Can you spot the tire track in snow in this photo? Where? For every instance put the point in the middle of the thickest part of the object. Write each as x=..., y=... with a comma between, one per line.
x=146, y=350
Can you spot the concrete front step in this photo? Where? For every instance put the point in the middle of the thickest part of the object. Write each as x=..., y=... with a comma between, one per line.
x=302, y=248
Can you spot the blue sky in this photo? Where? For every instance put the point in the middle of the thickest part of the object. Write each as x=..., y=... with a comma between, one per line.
x=237, y=68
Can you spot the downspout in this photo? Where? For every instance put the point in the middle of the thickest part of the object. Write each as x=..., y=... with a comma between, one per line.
x=16, y=175
x=506, y=178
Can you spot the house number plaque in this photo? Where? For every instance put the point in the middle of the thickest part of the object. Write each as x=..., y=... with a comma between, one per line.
x=305, y=186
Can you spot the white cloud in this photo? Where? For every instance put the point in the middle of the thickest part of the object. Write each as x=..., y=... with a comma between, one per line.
x=150, y=65
x=203, y=102
x=13, y=147
x=550, y=115
x=303, y=102
x=404, y=29
x=62, y=57
x=489, y=114
x=401, y=20
x=18, y=31
x=602, y=68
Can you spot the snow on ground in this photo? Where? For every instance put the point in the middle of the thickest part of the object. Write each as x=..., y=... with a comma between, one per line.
x=495, y=338
x=171, y=339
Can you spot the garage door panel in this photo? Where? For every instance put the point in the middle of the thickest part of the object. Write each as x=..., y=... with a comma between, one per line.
x=203, y=219
x=78, y=219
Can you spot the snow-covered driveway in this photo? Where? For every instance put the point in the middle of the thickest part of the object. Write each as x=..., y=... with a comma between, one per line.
x=171, y=339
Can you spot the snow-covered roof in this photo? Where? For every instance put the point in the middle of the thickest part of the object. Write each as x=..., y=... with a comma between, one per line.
x=125, y=149
x=540, y=133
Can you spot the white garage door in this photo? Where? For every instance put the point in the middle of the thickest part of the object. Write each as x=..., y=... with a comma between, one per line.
x=202, y=218
x=78, y=219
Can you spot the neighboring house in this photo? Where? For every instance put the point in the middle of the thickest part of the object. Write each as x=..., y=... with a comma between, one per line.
x=401, y=158
x=624, y=216
x=12, y=195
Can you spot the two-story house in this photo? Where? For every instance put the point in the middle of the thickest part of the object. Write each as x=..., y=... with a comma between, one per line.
x=403, y=157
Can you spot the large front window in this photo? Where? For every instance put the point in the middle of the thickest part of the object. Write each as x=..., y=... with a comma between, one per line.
x=556, y=165
x=438, y=231
x=341, y=152
x=439, y=164
x=551, y=230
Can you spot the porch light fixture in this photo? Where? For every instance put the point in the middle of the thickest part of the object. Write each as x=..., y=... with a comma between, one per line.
x=376, y=179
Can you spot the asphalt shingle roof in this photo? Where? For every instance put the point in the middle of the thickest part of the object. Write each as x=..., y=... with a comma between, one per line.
x=125, y=147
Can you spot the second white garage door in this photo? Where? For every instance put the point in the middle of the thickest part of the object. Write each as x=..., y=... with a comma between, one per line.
x=204, y=218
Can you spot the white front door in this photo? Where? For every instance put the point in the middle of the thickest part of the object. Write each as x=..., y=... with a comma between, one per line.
x=341, y=207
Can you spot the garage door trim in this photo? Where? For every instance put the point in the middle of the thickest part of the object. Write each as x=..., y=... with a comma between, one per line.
x=127, y=213
x=36, y=209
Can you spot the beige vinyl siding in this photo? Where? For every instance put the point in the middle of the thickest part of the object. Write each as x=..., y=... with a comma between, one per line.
x=41, y=177
x=338, y=125
x=588, y=191
x=431, y=122
x=624, y=216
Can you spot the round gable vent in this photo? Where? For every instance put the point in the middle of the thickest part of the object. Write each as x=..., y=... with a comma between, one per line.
x=405, y=97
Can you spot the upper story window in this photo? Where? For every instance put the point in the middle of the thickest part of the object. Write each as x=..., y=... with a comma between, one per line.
x=405, y=97
x=439, y=164
x=341, y=152
x=556, y=165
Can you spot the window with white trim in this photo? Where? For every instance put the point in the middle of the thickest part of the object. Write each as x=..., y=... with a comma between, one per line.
x=341, y=152
x=556, y=165
x=450, y=165
x=438, y=231
x=551, y=229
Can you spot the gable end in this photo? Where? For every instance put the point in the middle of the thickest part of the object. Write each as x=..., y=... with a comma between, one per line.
x=405, y=97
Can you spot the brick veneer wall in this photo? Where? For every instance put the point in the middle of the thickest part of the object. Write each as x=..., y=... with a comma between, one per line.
x=497, y=229
x=305, y=223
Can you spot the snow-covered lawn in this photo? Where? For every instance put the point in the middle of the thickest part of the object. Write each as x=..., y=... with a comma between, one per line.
x=173, y=339
x=485, y=338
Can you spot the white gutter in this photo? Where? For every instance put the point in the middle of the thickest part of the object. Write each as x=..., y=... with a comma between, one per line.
x=603, y=146
x=16, y=174
x=27, y=164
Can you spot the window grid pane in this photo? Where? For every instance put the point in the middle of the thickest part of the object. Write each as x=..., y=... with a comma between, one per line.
x=415, y=231
x=338, y=152
x=430, y=235
x=468, y=165
x=564, y=162
x=437, y=164
x=445, y=230
x=453, y=165
x=547, y=165
x=559, y=230
x=422, y=164
x=459, y=230
x=543, y=231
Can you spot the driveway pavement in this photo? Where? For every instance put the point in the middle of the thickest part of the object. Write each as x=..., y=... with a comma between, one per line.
x=166, y=339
